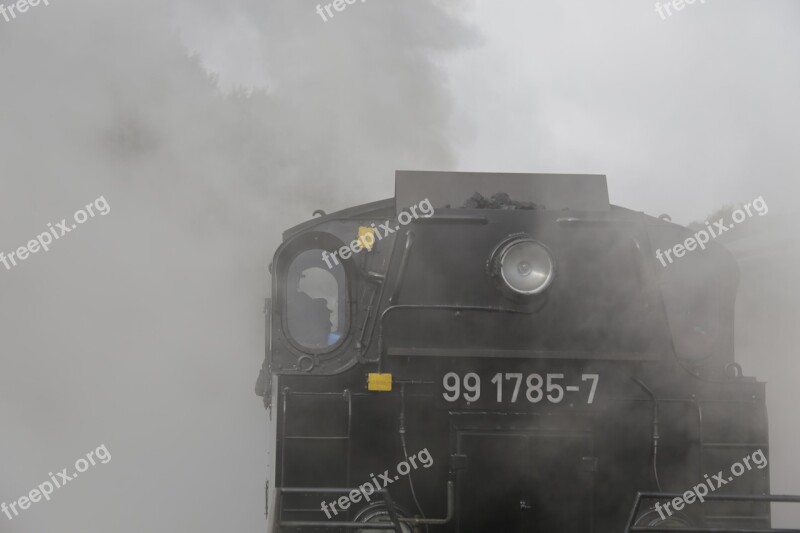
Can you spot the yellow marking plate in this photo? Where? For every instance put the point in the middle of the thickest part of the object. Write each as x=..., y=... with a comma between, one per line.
x=379, y=382
x=366, y=237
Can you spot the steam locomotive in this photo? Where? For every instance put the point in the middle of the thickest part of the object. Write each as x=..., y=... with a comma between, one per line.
x=520, y=331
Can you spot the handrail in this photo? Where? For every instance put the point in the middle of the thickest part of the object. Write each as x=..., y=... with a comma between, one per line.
x=631, y=528
x=393, y=524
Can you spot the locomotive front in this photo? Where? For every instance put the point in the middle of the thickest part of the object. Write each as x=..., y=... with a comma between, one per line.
x=503, y=352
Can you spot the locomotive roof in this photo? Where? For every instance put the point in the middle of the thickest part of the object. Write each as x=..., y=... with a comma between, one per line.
x=579, y=192
x=554, y=192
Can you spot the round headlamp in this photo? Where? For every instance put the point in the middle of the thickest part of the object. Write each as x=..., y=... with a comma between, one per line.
x=524, y=266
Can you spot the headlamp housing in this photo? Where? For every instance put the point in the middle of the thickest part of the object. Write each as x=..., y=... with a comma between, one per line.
x=522, y=265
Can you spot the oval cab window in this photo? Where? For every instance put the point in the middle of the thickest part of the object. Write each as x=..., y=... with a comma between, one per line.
x=315, y=302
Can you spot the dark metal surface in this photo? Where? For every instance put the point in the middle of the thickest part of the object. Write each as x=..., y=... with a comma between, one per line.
x=664, y=407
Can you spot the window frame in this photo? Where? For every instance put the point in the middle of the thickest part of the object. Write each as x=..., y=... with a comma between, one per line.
x=304, y=243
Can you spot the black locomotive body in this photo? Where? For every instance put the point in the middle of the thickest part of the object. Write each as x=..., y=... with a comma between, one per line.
x=530, y=342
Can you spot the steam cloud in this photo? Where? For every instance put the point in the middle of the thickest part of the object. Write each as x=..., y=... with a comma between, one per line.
x=144, y=330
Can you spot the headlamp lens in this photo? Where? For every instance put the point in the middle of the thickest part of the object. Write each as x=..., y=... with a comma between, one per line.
x=525, y=266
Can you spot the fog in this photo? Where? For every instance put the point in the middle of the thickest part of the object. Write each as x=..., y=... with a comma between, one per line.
x=209, y=128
